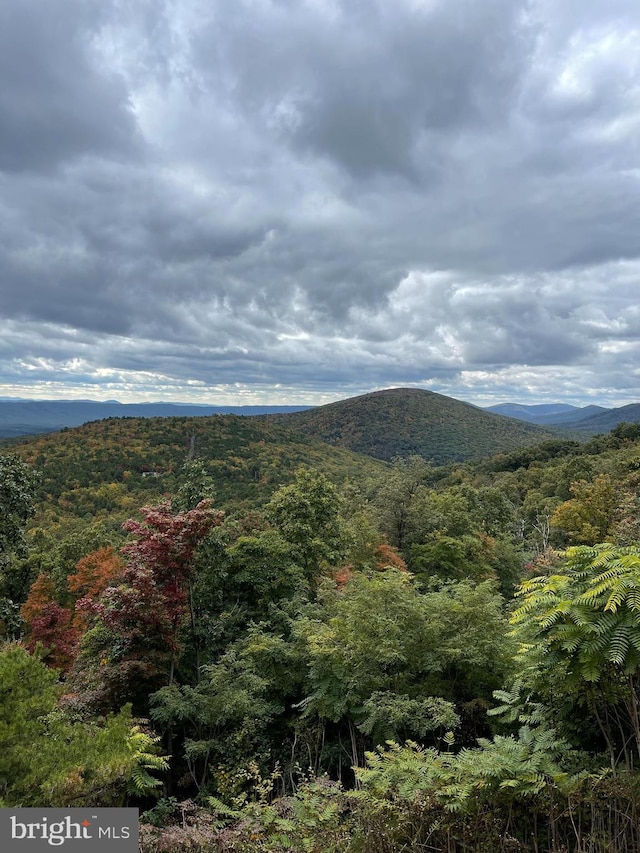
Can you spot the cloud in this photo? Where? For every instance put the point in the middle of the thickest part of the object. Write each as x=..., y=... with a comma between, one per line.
x=279, y=199
x=56, y=100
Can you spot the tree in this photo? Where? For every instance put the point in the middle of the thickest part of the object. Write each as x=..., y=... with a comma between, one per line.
x=50, y=759
x=535, y=522
x=447, y=512
x=94, y=573
x=396, y=498
x=579, y=636
x=49, y=625
x=307, y=515
x=263, y=571
x=57, y=622
x=451, y=558
x=17, y=488
x=223, y=719
x=588, y=516
x=380, y=646
x=136, y=634
x=196, y=485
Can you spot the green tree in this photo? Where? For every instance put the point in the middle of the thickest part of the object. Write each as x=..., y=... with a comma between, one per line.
x=450, y=558
x=381, y=644
x=50, y=759
x=263, y=570
x=589, y=515
x=196, y=484
x=230, y=718
x=396, y=495
x=579, y=637
x=17, y=488
x=307, y=515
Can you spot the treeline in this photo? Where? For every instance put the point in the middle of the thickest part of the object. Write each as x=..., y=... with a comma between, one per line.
x=419, y=658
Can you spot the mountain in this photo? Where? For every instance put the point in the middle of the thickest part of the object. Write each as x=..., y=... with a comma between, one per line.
x=588, y=420
x=409, y=421
x=525, y=412
x=27, y=417
x=547, y=414
x=605, y=421
x=570, y=419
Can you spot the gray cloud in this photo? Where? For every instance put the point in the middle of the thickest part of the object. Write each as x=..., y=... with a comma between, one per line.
x=56, y=101
x=289, y=201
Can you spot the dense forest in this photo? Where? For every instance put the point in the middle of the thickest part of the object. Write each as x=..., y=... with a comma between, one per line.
x=411, y=421
x=269, y=643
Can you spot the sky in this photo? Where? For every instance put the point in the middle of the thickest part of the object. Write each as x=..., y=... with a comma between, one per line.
x=299, y=201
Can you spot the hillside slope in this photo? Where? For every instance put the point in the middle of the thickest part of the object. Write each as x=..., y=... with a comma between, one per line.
x=108, y=469
x=408, y=421
x=29, y=417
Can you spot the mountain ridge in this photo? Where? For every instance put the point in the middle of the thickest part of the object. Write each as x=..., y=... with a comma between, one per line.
x=546, y=414
x=412, y=421
x=32, y=417
x=608, y=420
x=339, y=423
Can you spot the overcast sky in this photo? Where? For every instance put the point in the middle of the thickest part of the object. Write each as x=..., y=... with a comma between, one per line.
x=297, y=201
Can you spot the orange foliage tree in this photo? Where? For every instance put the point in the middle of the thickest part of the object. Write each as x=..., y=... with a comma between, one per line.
x=49, y=624
x=94, y=573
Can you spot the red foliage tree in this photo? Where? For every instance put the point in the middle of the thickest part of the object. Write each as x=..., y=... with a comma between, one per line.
x=147, y=610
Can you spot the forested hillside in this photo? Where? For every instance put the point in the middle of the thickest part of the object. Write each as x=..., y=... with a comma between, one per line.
x=107, y=469
x=26, y=417
x=292, y=647
x=408, y=421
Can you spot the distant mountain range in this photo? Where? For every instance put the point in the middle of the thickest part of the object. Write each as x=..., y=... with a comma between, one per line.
x=384, y=424
x=28, y=417
x=608, y=419
x=546, y=413
x=589, y=420
x=248, y=457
